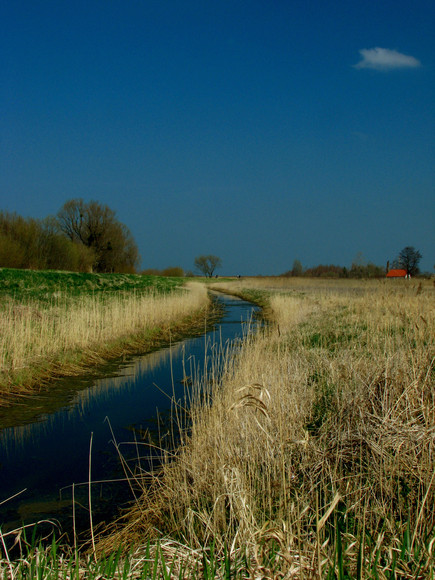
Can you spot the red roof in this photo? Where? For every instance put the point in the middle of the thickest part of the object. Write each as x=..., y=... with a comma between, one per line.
x=397, y=274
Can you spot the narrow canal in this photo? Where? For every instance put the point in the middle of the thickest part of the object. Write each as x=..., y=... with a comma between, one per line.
x=48, y=461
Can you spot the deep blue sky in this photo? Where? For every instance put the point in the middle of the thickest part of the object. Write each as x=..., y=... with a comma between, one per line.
x=259, y=131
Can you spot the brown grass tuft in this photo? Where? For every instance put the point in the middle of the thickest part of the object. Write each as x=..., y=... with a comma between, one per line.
x=317, y=452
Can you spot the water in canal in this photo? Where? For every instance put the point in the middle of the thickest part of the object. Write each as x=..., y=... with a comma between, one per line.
x=42, y=459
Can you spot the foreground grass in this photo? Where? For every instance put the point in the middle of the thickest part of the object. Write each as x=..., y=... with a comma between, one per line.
x=151, y=561
x=316, y=458
x=54, y=323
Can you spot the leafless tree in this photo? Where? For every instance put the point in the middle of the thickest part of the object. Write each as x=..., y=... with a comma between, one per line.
x=409, y=259
x=95, y=226
x=207, y=264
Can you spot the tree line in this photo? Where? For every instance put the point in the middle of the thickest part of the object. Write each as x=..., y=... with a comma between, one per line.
x=408, y=259
x=334, y=271
x=82, y=237
x=88, y=237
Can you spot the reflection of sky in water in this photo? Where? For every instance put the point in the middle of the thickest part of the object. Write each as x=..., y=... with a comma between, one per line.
x=53, y=452
x=103, y=390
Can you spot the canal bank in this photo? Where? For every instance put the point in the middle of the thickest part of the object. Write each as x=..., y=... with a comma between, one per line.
x=105, y=433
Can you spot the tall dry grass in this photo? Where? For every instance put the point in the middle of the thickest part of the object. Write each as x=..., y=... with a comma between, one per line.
x=317, y=454
x=35, y=337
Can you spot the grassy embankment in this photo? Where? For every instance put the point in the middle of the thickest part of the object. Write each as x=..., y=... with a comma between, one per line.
x=317, y=456
x=56, y=323
x=318, y=453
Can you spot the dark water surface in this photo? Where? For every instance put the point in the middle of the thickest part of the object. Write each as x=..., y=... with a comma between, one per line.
x=46, y=456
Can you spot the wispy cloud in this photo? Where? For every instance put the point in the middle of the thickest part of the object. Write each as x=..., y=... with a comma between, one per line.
x=385, y=59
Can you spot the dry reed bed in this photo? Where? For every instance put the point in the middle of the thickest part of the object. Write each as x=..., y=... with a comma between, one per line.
x=318, y=452
x=32, y=336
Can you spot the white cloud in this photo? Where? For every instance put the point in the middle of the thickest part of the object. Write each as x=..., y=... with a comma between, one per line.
x=385, y=59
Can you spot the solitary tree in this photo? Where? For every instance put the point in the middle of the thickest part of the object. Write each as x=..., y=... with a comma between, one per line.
x=95, y=226
x=207, y=264
x=409, y=259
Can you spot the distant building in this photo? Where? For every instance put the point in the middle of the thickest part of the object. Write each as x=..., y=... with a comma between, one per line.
x=397, y=274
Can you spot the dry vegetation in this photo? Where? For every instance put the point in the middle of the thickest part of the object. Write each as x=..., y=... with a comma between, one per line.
x=317, y=456
x=311, y=456
x=42, y=340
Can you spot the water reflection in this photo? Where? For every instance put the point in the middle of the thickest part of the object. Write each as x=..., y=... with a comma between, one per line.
x=53, y=452
x=13, y=438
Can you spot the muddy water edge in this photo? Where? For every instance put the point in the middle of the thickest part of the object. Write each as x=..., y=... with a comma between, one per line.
x=86, y=429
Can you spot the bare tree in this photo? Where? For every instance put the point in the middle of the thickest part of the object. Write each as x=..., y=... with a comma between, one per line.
x=207, y=264
x=95, y=226
x=409, y=259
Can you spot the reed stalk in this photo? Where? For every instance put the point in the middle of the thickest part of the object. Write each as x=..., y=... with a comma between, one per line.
x=68, y=334
x=334, y=403
x=308, y=452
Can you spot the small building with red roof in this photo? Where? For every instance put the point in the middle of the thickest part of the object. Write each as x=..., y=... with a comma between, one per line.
x=397, y=274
